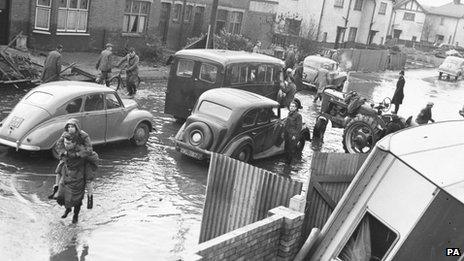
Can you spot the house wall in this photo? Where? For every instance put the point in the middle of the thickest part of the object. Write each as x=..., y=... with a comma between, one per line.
x=308, y=11
x=19, y=17
x=409, y=28
x=382, y=22
x=447, y=29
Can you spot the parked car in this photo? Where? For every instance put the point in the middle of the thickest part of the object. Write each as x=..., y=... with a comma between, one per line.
x=237, y=123
x=400, y=205
x=194, y=71
x=310, y=67
x=445, y=50
x=452, y=66
x=38, y=120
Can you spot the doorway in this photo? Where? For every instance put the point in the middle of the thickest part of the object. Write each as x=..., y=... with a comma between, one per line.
x=340, y=36
x=198, y=20
x=4, y=21
x=164, y=21
x=372, y=34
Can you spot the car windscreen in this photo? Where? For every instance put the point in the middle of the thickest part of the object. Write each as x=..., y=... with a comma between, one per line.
x=215, y=109
x=39, y=98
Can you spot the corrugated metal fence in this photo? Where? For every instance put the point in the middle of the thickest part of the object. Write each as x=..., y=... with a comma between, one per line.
x=331, y=174
x=238, y=194
x=371, y=60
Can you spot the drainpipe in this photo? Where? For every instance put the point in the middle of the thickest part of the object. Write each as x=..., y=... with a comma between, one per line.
x=390, y=25
x=372, y=22
x=346, y=20
x=455, y=30
x=320, y=21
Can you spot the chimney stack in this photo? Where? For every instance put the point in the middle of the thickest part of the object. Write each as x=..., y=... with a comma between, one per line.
x=457, y=2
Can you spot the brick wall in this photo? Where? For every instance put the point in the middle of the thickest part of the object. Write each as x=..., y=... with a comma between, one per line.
x=273, y=238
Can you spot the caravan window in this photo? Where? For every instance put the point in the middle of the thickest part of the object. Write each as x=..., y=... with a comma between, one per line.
x=371, y=240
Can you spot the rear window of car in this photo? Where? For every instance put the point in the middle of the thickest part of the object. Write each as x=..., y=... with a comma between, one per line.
x=40, y=98
x=215, y=109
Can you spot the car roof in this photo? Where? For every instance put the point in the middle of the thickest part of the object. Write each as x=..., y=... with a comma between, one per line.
x=454, y=58
x=227, y=56
x=63, y=91
x=435, y=151
x=237, y=99
x=319, y=59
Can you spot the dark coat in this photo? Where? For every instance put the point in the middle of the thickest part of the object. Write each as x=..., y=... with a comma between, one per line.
x=104, y=62
x=290, y=59
x=424, y=116
x=52, y=67
x=293, y=126
x=399, y=95
x=289, y=88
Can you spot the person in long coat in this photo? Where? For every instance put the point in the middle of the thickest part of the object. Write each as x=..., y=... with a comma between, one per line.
x=77, y=172
x=52, y=66
x=289, y=88
x=398, y=96
x=292, y=129
x=290, y=57
x=132, y=70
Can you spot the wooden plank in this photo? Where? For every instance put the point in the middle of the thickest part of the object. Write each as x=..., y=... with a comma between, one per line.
x=324, y=195
x=333, y=179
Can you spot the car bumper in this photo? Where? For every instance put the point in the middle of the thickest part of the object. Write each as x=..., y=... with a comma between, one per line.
x=192, y=151
x=17, y=145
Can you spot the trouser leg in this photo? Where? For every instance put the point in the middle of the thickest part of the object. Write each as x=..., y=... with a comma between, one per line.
x=77, y=209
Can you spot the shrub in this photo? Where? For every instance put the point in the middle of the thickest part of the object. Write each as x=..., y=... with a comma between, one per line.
x=228, y=41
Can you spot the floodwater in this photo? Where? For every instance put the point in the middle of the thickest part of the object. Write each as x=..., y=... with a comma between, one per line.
x=148, y=201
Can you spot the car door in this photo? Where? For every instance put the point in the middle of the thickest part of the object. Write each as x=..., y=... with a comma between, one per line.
x=115, y=114
x=256, y=131
x=179, y=93
x=94, y=117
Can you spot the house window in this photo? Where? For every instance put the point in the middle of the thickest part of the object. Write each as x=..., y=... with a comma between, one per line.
x=358, y=5
x=383, y=8
x=409, y=16
x=42, y=14
x=371, y=240
x=177, y=12
x=293, y=26
x=135, y=16
x=235, y=22
x=72, y=15
x=338, y=3
x=442, y=21
x=221, y=20
x=188, y=13
x=352, y=34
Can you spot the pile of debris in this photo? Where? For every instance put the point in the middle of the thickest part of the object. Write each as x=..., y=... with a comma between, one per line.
x=17, y=68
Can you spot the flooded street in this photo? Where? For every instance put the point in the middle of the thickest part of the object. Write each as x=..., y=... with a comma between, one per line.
x=148, y=200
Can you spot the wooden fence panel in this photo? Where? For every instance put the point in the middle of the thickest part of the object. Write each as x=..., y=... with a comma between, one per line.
x=331, y=174
x=238, y=194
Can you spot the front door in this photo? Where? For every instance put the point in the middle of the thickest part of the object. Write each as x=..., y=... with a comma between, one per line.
x=371, y=36
x=397, y=33
x=258, y=132
x=164, y=21
x=94, y=118
x=340, y=36
x=4, y=21
x=115, y=114
x=198, y=21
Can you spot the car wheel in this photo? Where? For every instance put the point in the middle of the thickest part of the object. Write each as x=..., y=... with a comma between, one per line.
x=199, y=135
x=141, y=134
x=242, y=153
x=360, y=135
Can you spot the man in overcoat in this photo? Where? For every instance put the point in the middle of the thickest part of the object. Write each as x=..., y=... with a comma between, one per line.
x=398, y=96
x=52, y=66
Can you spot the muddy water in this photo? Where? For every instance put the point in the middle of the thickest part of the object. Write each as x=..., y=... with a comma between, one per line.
x=148, y=201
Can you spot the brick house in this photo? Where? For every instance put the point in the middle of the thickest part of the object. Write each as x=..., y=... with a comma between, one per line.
x=84, y=25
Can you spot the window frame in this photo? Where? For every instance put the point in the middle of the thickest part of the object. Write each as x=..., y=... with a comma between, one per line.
x=261, y=111
x=383, y=8
x=355, y=30
x=339, y=3
x=234, y=24
x=226, y=20
x=45, y=8
x=177, y=16
x=364, y=212
x=406, y=16
x=188, y=13
x=200, y=74
x=358, y=4
x=121, y=104
x=242, y=121
x=93, y=94
x=137, y=15
x=178, y=64
x=78, y=10
x=67, y=103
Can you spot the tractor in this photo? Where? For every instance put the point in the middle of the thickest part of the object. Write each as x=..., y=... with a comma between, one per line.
x=364, y=122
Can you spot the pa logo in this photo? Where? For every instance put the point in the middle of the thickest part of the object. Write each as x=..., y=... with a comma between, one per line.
x=453, y=252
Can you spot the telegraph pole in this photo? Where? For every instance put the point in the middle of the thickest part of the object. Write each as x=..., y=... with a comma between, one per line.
x=181, y=35
x=212, y=23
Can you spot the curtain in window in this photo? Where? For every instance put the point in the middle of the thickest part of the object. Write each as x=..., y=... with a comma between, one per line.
x=133, y=23
x=358, y=247
x=71, y=22
x=61, y=19
x=43, y=16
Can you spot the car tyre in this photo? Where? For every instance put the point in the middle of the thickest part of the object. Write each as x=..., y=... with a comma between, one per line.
x=141, y=134
x=199, y=135
x=242, y=153
x=361, y=132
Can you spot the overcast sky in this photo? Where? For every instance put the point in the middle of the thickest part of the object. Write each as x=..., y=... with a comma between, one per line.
x=435, y=2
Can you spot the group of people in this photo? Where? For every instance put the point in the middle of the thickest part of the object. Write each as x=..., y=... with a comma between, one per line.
x=75, y=171
x=52, y=67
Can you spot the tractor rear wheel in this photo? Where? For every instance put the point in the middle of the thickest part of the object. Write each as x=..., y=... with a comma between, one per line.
x=360, y=134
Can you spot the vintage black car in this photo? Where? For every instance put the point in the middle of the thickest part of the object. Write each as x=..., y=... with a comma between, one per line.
x=237, y=123
x=194, y=71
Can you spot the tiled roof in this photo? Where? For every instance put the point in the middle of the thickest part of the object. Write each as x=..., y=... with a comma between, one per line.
x=451, y=9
